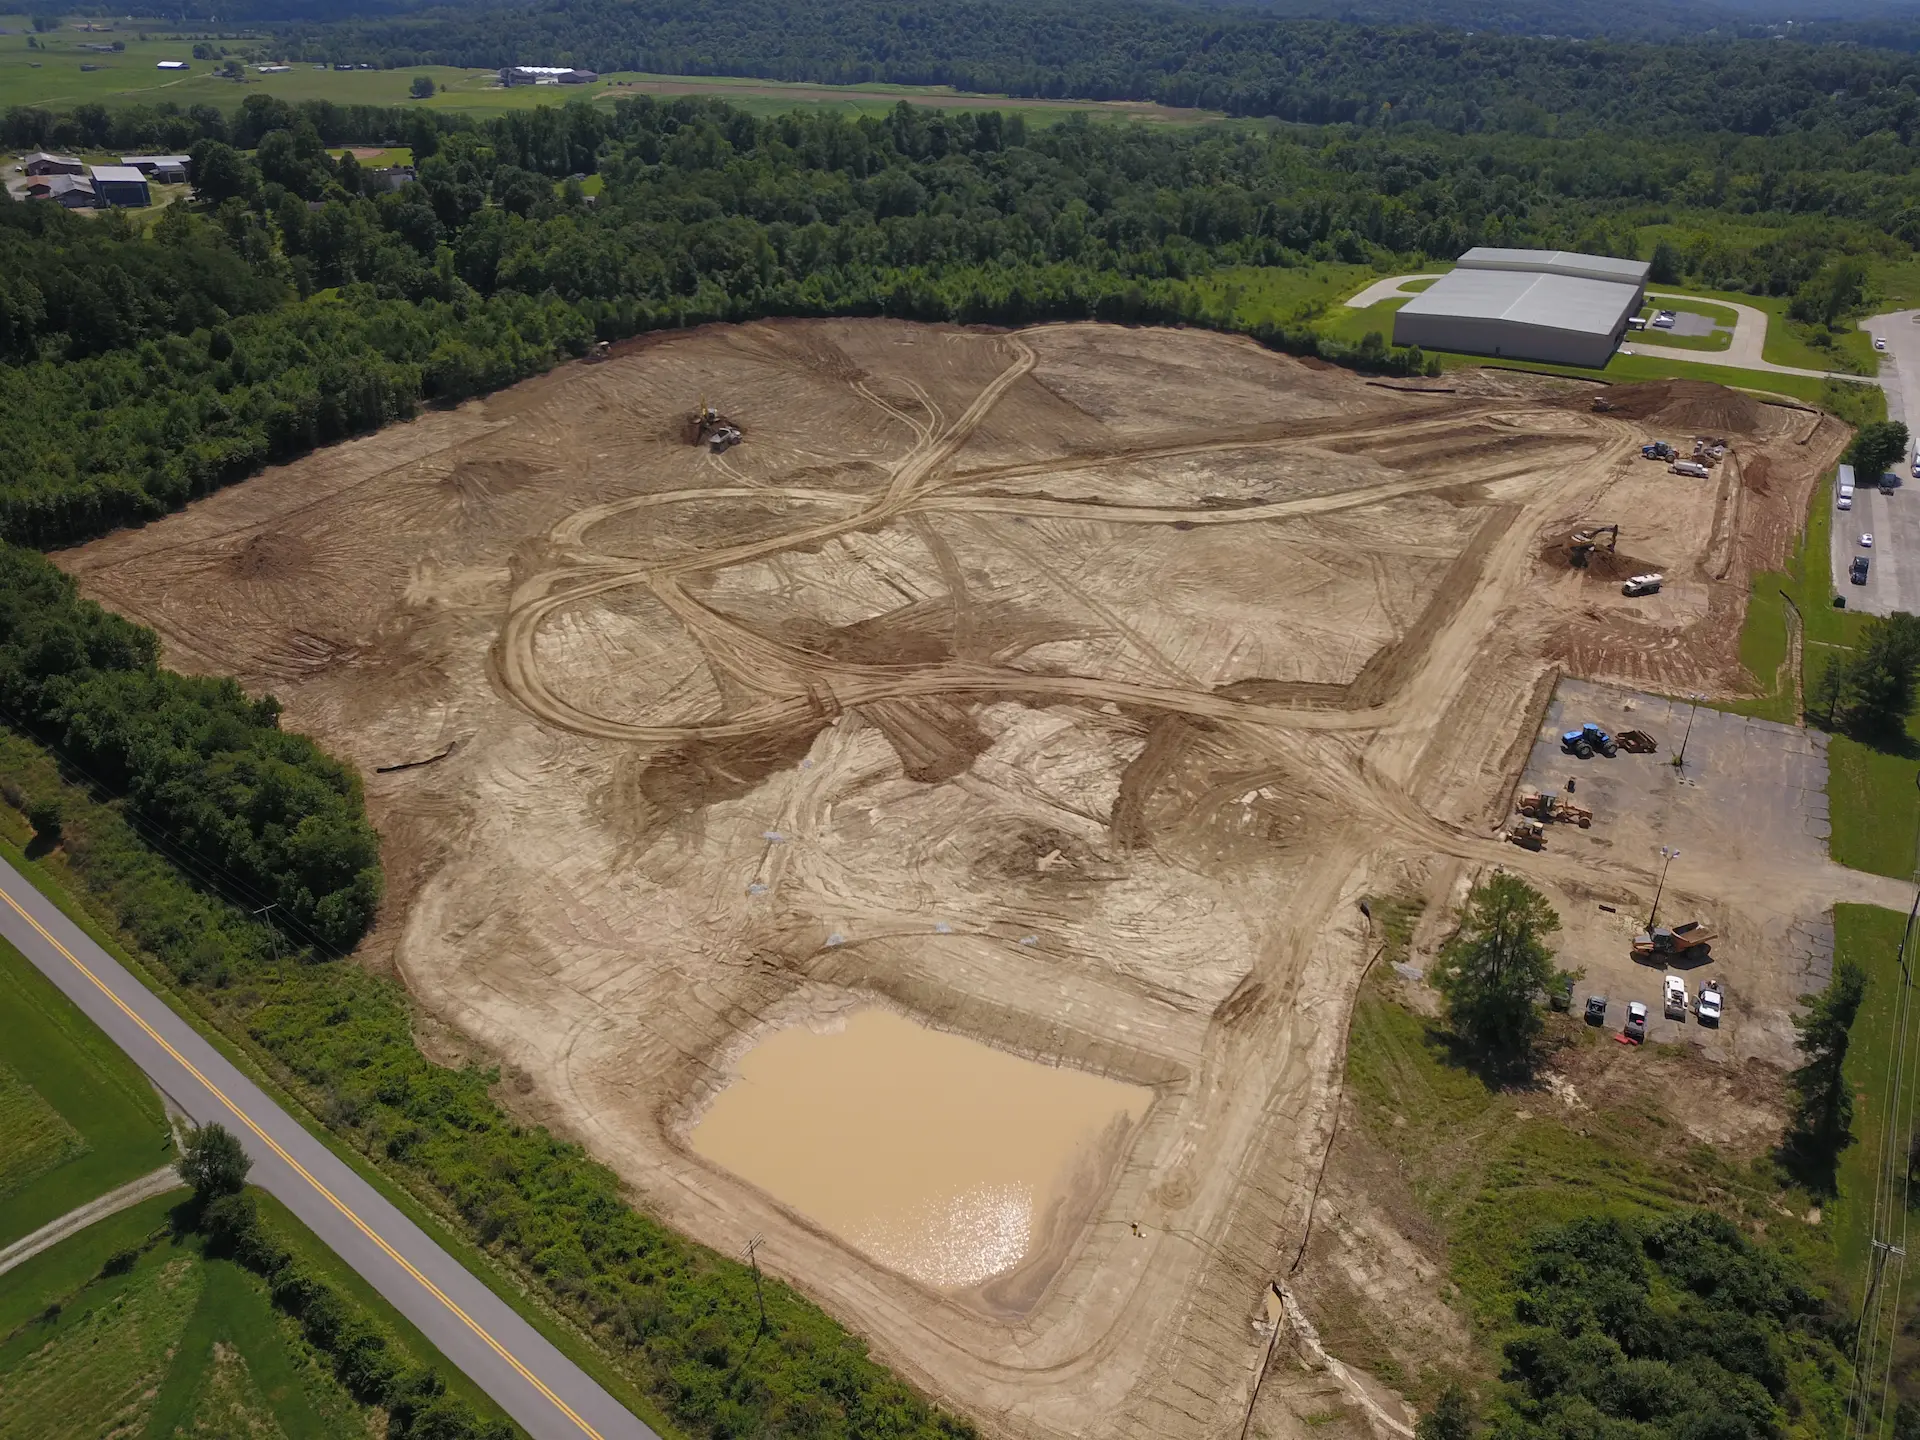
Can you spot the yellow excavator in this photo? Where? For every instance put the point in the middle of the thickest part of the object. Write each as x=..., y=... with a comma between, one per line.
x=1589, y=538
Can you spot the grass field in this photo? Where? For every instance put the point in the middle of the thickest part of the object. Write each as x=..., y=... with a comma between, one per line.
x=84, y=1119
x=176, y=1347
x=1491, y=1166
x=1871, y=936
x=50, y=75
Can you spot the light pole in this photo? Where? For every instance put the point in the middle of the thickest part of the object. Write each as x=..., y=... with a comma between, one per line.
x=1680, y=760
x=1667, y=856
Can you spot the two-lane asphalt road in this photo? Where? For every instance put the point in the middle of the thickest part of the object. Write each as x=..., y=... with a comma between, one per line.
x=550, y=1396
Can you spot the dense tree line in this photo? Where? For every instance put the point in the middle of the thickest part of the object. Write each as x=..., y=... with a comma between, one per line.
x=1245, y=61
x=264, y=815
x=304, y=299
x=1676, y=1326
x=679, y=1321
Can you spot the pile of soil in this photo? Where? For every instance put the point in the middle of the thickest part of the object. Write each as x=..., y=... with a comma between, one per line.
x=1695, y=407
x=1601, y=564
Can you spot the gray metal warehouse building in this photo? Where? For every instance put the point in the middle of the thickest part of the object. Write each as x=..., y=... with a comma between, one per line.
x=1550, y=305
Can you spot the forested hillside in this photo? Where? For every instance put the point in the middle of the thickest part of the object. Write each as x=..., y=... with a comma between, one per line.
x=1244, y=61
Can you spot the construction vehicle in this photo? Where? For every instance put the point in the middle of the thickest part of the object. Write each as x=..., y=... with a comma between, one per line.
x=714, y=430
x=1586, y=740
x=1708, y=1008
x=1643, y=585
x=1588, y=538
x=1677, y=940
x=1658, y=450
x=1693, y=469
x=599, y=351
x=1602, y=405
x=1527, y=834
x=1674, y=990
x=1637, y=742
x=1545, y=805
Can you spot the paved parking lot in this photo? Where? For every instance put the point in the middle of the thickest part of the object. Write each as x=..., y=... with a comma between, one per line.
x=1893, y=576
x=1750, y=797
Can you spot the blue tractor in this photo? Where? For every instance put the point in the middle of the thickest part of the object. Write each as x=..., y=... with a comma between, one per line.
x=1587, y=739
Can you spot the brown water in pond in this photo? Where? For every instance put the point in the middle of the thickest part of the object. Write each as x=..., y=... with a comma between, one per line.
x=942, y=1158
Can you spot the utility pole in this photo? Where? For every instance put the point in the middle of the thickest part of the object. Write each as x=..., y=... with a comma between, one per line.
x=753, y=1259
x=1667, y=856
x=273, y=935
x=1680, y=760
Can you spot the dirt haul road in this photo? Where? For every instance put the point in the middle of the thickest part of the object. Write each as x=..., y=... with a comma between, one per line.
x=1066, y=689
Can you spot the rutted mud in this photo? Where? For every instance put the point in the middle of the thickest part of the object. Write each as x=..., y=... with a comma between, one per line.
x=1065, y=688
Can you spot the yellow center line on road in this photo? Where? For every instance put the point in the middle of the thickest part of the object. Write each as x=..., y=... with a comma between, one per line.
x=307, y=1175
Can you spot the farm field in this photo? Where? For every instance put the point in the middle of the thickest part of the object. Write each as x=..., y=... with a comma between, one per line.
x=1063, y=689
x=50, y=75
x=123, y=1330
x=76, y=1118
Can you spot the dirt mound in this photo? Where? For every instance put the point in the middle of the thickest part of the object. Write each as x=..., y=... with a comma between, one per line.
x=269, y=557
x=1601, y=564
x=1696, y=406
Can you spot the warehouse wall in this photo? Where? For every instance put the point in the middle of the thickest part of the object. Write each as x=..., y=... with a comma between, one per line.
x=1508, y=339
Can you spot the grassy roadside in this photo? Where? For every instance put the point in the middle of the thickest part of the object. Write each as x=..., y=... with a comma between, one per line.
x=49, y=876
x=1871, y=936
x=69, y=1085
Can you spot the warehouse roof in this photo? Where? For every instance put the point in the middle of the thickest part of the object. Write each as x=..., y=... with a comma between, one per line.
x=1556, y=262
x=1526, y=297
x=117, y=174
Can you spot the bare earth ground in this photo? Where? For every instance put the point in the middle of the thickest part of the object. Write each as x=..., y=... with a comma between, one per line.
x=741, y=737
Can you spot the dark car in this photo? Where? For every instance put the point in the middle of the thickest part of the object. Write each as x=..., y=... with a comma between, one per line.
x=1596, y=1009
x=1560, y=997
x=1857, y=572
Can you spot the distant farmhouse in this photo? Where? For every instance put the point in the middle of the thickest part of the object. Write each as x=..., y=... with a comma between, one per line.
x=161, y=169
x=68, y=190
x=41, y=163
x=545, y=75
x=172, y=65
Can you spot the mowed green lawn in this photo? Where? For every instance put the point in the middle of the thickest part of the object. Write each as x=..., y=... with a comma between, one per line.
x=177, y=1346
x=77, y=1119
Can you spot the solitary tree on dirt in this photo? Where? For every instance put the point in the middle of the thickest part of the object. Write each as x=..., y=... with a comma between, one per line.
x=1879, y=445
x=1492, y=973
x=1821, y=1125
x=213, y=1162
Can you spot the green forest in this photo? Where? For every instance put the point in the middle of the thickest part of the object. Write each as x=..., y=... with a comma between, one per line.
x=305, y=300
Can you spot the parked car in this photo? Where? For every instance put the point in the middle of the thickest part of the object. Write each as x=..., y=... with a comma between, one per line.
x=1596, y=1009
x=1709, y=1006
x=1858, y=571
x=1636, y=1029
x=1866, y=539
x=1664, y=320
x=1879, y=344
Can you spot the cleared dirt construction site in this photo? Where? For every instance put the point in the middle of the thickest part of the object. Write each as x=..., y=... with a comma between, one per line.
x=1063, y=690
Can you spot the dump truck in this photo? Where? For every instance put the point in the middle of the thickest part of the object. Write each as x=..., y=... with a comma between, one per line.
x=1637, y=742
x=1527, y=834
x=1546, y=805
x=1675, y=940
x=1586, y=740
x=1675, y=993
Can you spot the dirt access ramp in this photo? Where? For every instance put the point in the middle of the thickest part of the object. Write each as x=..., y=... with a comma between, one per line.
x=1064, y=688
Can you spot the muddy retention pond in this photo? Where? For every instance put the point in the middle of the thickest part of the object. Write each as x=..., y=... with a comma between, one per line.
x=958, y=1165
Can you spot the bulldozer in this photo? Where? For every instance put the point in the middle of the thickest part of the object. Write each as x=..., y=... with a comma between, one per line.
x=1527, y=834
x=1588, y=538
x=1677, y=940
x=1545, y=805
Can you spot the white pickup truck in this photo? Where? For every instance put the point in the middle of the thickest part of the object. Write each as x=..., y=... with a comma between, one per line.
x=1676, y=997
x=1709, y=1010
